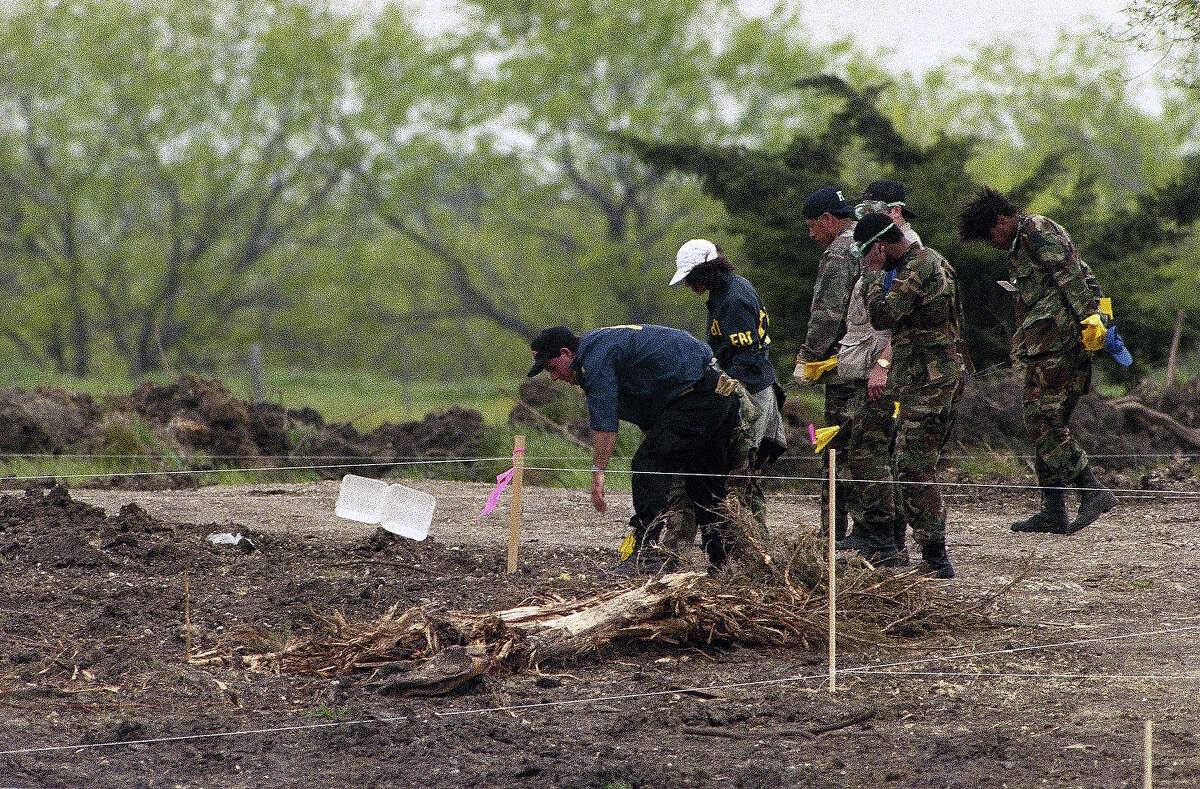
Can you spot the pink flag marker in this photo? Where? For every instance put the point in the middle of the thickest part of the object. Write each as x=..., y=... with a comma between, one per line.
x=812, y=433
x=502, y=481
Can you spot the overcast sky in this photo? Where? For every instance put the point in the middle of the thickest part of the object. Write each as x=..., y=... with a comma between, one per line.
x=919, y=34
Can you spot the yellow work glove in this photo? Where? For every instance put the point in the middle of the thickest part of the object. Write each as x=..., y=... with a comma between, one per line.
x=814, y=370
x=726, y=385
x=824, y=436
x=1093, y=332
x=625, y=549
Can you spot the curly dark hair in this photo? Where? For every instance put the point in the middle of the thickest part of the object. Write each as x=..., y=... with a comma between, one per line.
x=980, y=214
x=709, y=273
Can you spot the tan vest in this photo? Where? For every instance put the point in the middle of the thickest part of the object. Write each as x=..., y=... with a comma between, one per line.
x=861, y=345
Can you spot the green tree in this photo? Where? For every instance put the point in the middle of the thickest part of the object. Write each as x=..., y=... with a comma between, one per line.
x=166, y=168
x=541, y=214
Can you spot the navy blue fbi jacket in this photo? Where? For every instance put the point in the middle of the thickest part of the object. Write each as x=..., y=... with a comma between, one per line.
x=737, y=331
x=632, y=372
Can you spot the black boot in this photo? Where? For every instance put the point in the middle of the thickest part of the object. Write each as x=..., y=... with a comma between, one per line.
x=646, y=559
x=934, y=560
x=1094, y=500
x=1051, y=518
x=855, y=540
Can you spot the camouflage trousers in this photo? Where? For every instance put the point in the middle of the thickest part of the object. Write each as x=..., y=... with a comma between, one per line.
x=745, y=496
x=926, y=417
x=1053, y=385
x=841, y=401
x=869, y=457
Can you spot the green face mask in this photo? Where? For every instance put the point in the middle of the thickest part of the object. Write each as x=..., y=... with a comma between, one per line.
x=860, y=250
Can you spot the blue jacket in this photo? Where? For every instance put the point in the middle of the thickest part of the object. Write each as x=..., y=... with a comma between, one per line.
x=632, y=372
x=737, y=331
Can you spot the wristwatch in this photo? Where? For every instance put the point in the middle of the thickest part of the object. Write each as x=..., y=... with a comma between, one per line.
x=884, y=363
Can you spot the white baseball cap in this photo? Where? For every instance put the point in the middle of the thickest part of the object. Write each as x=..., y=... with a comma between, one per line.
x=692, y=254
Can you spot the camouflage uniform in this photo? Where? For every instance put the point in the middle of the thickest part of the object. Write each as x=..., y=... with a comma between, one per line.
x=1055, y=290
x=928, y=370
x=836, y=274
x=872, y=429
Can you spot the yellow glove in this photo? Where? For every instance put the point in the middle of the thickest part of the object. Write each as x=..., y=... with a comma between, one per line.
x=814, y=370
x=824, y=436
x=1093, y=332
x=625, y=549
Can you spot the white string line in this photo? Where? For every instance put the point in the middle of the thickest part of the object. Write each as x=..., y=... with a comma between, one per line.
x=244, y=470
x=868, y=481
x=875, y=669
x=1027, y=675
x=235, y=470
x=812, y=458
x=416, y=458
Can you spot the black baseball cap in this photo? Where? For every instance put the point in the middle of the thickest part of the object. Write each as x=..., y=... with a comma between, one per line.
x=891, y=192
x=827, y=200
x=548, y=344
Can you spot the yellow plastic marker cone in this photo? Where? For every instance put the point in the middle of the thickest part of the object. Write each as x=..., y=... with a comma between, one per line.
x=626, y=548
x=824, y=436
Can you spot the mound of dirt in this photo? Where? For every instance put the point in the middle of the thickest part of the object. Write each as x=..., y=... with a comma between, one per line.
x=53, y=530
x=196, y=415
x=563, y=405
x=46, y=419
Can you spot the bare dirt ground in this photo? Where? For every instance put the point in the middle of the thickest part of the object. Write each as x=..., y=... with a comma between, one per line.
x=92, y=646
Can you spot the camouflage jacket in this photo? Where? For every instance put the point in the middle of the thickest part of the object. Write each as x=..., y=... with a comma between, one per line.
x=922, y=311
x=1054, y=289
x=836, y=273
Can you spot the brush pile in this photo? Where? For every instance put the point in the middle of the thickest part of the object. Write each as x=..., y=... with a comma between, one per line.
x=424, y=651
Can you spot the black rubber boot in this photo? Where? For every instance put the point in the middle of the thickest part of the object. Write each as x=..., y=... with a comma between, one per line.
x=855, y=540
x=934, y=560
x=646, y=559
x=1051, y=518
x=885, y=555
x=1094, y=500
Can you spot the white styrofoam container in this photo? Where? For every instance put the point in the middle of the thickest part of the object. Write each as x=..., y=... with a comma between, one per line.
x=399, y=509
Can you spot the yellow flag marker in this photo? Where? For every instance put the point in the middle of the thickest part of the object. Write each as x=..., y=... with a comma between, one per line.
x=1106, y=306
x=626, y=548
x=896, y=410
x=824, y=436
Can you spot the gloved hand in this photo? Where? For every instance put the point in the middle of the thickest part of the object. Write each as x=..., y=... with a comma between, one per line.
x=1116, y=347
x=726, y=385
x=1093, y=332
x=823, y=436
x=814, y=370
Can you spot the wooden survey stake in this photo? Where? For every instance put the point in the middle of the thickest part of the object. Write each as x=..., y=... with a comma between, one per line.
x=514, y=510
x=832, y=571
x=1148, y=766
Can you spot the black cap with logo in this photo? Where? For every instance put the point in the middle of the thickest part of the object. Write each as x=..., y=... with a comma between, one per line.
x=548, y=344
x=891, y=192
